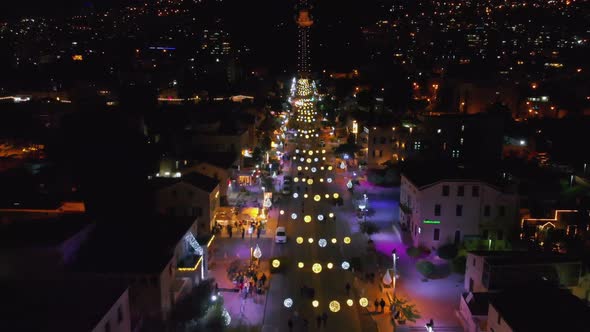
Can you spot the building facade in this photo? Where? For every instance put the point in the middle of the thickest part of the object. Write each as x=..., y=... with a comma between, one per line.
x=446, y=210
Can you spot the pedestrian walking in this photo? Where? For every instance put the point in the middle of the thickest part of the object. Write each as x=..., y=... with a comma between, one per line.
x=347, y=289
x=258, y=232
x=382, y=304
x=255, y=278
x=263, y=279
x=318, y=320
x=216, y=288
x=290, y=324
x=243, y=232
x=324, y=318
x=376, y=303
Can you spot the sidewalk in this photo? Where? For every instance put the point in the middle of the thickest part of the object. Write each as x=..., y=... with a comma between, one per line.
x=247, y=314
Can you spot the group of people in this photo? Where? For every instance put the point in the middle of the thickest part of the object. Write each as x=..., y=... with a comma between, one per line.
x=254, y=225
x=247, y=285
x=321, y=320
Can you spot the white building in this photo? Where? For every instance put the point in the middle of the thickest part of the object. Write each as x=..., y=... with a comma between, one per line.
x=440, y=205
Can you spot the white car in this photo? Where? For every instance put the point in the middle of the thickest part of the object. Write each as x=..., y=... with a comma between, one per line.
x=281, y=235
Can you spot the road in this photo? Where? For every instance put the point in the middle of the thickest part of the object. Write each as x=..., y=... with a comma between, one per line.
x=329, y=284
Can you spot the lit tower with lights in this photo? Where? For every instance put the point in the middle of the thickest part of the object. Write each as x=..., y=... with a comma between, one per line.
x=304, y=23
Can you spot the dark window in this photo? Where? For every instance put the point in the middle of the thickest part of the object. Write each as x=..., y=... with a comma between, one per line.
x=501, y=210
x=437, y=210
x=436, y=234
x=486, y=211
x=119, y=314
x=445, y=191
x=475, y=191
x=170, y=211
x=500, y=235
x=470, y=285
x=459, y=210
x=197, y=212
x=460, y=190
x=107, y=327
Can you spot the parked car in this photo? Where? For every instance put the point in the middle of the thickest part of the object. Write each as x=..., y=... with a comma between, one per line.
x=281, y=235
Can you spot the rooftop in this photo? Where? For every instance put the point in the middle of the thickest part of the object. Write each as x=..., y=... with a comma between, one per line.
x=478, y=303
x=132, y=248
x=425, y=174
x=195, y=179
x=523, y=257
x=542, y=309
x=80, y=305
x=42, y=233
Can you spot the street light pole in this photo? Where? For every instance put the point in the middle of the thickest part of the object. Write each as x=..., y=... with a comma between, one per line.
x=394, y=256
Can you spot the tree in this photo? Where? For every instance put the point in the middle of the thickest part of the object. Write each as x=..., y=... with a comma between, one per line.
x=197, y=311
x=447, y=251
x=404, y=311
x=425, y=267
x=369, y=228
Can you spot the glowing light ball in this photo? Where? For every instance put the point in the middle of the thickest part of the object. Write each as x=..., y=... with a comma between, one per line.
x=335, y=195
x=296, y=150
x=323, y=151
x=329, y=167
x=316, y=268
x=322, y=242
x=330, y=265
x=345, y=265
x=302, y=159
x=317, y=198
x=334, y=306
x=315, y=159
x=313, y=169
x=282, y=212
x=364, y=302
x=307, y=219
x=308, y=160
x=322, y=180
x=299, y=240
x=302, y=179
x=315, y=303
x=300, y=265
x=323, y=158
x=293, y=216
x=310, y=240
x=310, y=153
x=329, y=180
x=305, y=195
x=347, y=240
x=350, y=302
x=310, y=181
x=306, y=136
x=276, y=263
x=226, y=317
x=294, y=157
x=288, y=303
x=334, y=240
x=327, y=196
x=298, y=168
x=320, y=217
x=331, y=215
x=317, y=151
x=295, y=195
x=296, y=180
x=322, y=168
